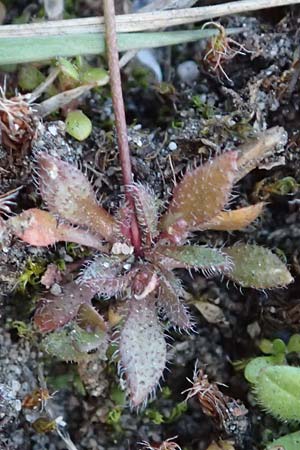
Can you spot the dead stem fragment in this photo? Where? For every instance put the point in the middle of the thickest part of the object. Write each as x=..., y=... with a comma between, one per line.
x=252, y=154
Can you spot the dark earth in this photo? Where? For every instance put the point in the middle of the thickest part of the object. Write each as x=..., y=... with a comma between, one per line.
x=171, y=127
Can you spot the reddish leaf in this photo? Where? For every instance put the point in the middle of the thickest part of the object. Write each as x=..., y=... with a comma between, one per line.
x=235, y=220
x=40, y=228
x=67, y=192
x=34, y=226
x=200, y=196
x=143, y=350
x=103, y=275
x=54, y=311
x=170, y=295
x=146, y=205
x=51, y=276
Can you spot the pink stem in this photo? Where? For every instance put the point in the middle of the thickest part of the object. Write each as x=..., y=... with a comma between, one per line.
x=120, y=119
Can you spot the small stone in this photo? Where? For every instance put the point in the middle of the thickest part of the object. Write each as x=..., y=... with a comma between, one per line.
x=172, y=146
x=253, y=329
x=55, y=289
x=188, y=71
x=53, y=130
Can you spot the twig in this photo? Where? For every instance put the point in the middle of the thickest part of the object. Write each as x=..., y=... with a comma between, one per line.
x=120, y=119
x=44, y=86
x=142, y=21
x=57, y=101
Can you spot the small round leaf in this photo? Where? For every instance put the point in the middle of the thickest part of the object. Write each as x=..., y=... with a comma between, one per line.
x=78, y=125
x=294, y=343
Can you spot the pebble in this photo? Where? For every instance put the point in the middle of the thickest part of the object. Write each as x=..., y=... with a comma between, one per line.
x=55, y=289
x=172, y=146
x=188, y=71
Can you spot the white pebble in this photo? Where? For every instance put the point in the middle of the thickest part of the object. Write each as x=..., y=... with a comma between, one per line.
x=172, y=146
x=188, y=71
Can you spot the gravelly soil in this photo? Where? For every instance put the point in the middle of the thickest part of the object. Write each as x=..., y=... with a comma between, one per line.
x=168, y=132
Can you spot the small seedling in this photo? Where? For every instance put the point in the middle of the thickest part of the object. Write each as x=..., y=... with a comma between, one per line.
x=221, y=50
x=275, y=383
x=289, y=442
x=142, y=279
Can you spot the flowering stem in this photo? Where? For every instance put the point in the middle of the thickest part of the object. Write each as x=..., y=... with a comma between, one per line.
x=120, y=119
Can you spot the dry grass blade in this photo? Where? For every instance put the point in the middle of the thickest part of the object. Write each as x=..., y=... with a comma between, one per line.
x=140, y=22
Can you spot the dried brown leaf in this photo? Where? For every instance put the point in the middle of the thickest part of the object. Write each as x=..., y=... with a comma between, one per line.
x=235, y=220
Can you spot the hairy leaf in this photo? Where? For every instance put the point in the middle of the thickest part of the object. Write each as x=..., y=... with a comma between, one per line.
x=143, y=350
x=73, y=343
x=170, y=295
x=40, y=228
x=34, y=226
x=200, y=196
x=104, y=276
x=67, y=192
x=7, y=200
x=277, y=389
x=54, y=311
x=257, y=267
x=209, y=260
x=288, y=442
x=256, y=365
x=235, y=220
x=90, y=320
x=146, y=205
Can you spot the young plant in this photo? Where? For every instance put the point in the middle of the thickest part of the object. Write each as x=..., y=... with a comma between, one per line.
x=151, y=296
x=288, y=442
x=276, y=383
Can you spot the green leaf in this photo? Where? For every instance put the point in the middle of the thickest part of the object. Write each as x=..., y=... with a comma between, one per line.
x=78, y=125
x=38, y=48
x=210, y=260
x=266, y=346
x=288, y=442
x=257, y=267
x=68, y=68
x=274, y=347
x=94, y=75
x=254, y=367
x=30, y=77
x=278, y=346
x=294, y=343
x=72, y=343
x=277, y=390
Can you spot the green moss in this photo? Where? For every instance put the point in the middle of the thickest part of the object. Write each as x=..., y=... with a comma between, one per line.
x=24, y=330
x=31, y=275
x=207, y=111
x=155, y=416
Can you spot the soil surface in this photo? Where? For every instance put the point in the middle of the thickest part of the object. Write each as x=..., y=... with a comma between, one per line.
x=171, y=126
